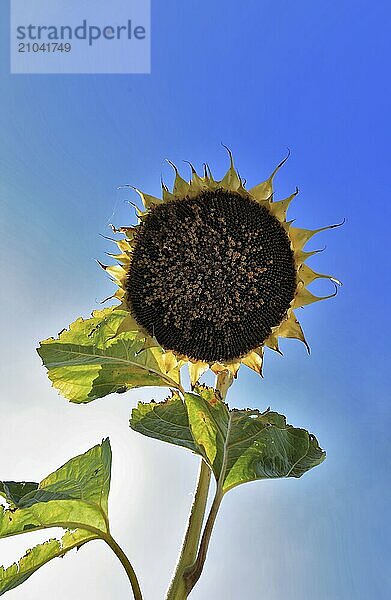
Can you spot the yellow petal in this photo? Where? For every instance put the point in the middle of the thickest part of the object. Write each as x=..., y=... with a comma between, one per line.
x=208, y=173
x=122, y=258
x=197, y=184
x=307, y=275
x=124, y=245
x=218, y=368
x=117, y=272
x=272, y=342
x=254, y=361
x=233, y=368
x=119, y=294
x=181, y=187
x=231, y=179
x=263, y=192
x=304, y=297
x=301, y=256
x=208, y=181
x=196, y=370
x=148, y=200
x=278, y=209
x=291, y=328
x=166, y=194
x=130, y=232
x=299, y=237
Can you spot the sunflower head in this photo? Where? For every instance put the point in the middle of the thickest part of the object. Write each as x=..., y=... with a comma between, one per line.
x=213, y=272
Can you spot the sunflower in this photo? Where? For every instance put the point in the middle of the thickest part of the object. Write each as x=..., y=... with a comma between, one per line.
x=212, y=272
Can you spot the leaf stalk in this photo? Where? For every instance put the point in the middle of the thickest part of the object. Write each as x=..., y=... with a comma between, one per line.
x=110, y=541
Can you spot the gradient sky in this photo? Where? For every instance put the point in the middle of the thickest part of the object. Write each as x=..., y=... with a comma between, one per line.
x=259, y=76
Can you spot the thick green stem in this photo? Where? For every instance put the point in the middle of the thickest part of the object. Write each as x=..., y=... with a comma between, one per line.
x=179, y=587
x=126, y=565
x=193, y=574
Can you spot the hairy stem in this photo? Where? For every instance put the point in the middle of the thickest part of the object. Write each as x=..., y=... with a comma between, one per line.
x=193, y=573
x=126, y=565
x=179, y=587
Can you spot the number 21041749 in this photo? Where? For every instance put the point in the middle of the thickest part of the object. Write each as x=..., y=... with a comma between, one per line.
x=45, y=47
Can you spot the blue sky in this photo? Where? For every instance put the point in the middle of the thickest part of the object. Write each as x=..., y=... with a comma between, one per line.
x=259, y=76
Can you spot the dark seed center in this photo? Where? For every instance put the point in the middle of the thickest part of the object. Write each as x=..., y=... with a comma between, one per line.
x=211, y=275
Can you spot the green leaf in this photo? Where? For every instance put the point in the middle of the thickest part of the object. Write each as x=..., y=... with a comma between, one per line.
x=93, y=359
x=166, y=421
x=238, y=445
x=38, y=556
x=75, y=497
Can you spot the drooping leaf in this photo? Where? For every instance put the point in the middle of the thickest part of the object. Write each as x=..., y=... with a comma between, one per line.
x=91, y=359
x=238, y=445
x=74, y=497
x=38, y=556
